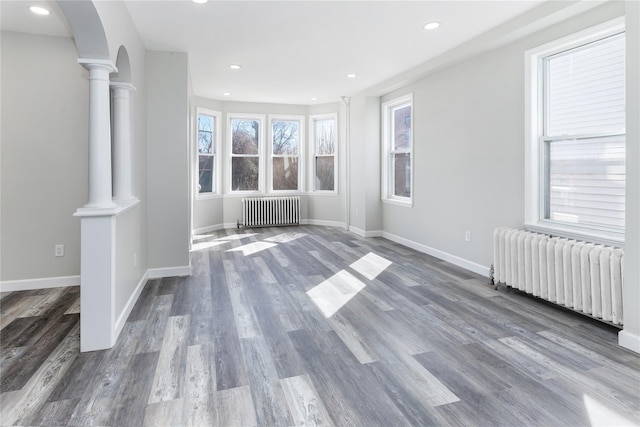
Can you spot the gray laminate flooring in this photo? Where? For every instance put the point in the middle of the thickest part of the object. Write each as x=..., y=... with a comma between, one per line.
x=314, y=326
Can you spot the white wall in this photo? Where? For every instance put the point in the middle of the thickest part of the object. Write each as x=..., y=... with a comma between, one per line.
x=469, y=149
x=45, y=98
x=167, y=177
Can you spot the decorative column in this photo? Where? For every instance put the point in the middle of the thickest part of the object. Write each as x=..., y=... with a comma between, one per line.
x=98, y=219
x=122, y=186
x=99, y=133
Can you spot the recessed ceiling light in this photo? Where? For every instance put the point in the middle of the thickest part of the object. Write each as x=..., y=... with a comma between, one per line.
x=314, y=99
x=200, y=1
x=351, y=75
x=431, y=25
x=235, y=66
x=39, y=10
x=227, y=93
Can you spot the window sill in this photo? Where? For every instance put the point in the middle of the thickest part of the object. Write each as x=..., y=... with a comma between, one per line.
x=396, y=202
x=583, y=234
x=207, y=196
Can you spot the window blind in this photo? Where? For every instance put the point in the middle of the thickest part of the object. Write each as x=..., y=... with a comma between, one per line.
x=584, y=134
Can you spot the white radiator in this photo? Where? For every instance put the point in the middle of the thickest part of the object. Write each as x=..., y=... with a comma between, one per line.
x=582, y=276
x=270, y=211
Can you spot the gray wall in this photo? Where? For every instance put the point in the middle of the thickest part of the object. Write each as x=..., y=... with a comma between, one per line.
x=167, y=159
x=45, y=98
x=469, y=149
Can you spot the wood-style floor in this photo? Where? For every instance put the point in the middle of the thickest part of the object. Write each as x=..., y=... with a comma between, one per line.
x=315, y=326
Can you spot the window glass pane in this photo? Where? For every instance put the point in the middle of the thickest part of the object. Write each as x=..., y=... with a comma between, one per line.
x=205, y=174
x=244, y=173
x=285, y=173
x=245, y=135
x=205, y=134
x=402, y=128
x=324, y=173
x=402, y=175
x=286, y=137
x=586, y=181
x=325, y=136
x=585, y=88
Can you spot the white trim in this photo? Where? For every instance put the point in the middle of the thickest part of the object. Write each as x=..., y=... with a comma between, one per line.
x=387, y=149
x=158, y=273
x=301, y=151
x=362, y=233
x=119, y=207
x=42, y=283
x=534, y=149
x=628, y=340
x=445, y=256
x=398, y=202
x=217, y=154
x=126, y=311
x=312, y=153
x=229, y=225
x=261, y=118
x=208, y=229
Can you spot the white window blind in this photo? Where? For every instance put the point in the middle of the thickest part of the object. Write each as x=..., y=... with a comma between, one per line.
x=584, y=135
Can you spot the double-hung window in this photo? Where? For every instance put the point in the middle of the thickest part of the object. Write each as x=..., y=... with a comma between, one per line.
x=246, y=135
x=286, y=146
x=208, y=136
x=576, y=136
x=397, y=138
x=324, y=134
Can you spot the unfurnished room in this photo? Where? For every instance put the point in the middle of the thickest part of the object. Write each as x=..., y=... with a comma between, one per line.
x=319, y=213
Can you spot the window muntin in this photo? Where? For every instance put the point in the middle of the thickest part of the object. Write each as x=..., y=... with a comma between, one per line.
x=398, y=148
x=207, y=140
x=325, y=136
x=246, y=145
x=576, y=136
x=285, y=154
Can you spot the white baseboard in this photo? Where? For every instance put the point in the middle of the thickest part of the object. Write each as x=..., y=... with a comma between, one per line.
x=158, y=273
x=362, y=233
x=228, y=225
x=44, y=283
x=126, y=311
x=209, y=229
x=445, y=256
x=628, y=340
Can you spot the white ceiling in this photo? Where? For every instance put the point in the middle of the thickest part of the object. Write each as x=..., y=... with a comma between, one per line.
x=291, y=51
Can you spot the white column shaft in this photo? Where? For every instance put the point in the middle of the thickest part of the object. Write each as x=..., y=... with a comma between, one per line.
x=122, y=185
x=99, y=137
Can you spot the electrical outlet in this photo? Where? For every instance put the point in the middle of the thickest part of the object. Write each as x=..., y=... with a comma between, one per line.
x=59, y=250
x=467, y=236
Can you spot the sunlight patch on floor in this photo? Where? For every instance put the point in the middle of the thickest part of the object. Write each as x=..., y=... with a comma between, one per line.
x=285, y=237
x=601, y=415
x=371, y=265
x=236, y=236
x=332, y=294
x=252, y=248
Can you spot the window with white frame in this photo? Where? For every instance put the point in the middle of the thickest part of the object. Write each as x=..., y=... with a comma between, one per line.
x=324, y=134
x=246, y=149
x=397, y=139
x=576, y=135
x=208, y=136
x=286, y=147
